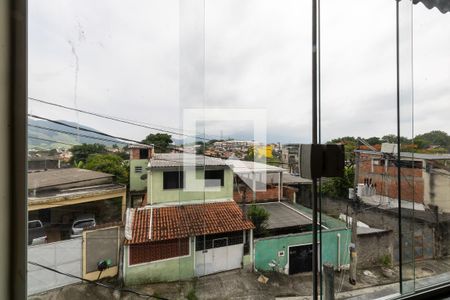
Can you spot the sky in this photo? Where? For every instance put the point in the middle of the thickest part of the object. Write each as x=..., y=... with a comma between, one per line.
x=149, y=60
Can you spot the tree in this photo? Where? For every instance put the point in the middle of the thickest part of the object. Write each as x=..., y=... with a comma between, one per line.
x=108, y=163
x=80, y=153
x=392, y=138
x=374, y=140
x=436, y=138
x=259, y=217
x=337, y=187
x=161, y=141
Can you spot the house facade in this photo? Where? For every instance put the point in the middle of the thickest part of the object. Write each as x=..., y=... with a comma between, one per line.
x=425, y=180
x=139, y=158
x=189, y=226
x=287, y=247
x=62, y=200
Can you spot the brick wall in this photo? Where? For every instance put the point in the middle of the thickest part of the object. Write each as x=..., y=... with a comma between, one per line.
x=289, y=192
x=412, y=184
x=270, y=194
x=134, y=154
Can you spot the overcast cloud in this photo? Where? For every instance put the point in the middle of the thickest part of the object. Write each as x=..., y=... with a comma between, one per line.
x=145, y=60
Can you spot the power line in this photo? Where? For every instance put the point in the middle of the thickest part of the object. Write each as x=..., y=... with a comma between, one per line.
x=97, y=283
x=96, y=132
x=72, y=133
x=80, y=128
x=139, y=124
x=48, y=140
x=87, y=136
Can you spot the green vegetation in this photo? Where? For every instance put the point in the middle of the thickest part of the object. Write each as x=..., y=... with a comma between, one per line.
x=191, y=295
x=385, y=260
x=161, y=141
x=108, y=163
x=337, y=187
x=260, y=217
x=80, y=153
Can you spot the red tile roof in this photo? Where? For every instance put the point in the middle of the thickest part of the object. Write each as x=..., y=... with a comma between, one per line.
x=187, y=220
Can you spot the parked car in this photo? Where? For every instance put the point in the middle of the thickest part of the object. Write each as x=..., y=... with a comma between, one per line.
x=81, y=222
x=36, y=233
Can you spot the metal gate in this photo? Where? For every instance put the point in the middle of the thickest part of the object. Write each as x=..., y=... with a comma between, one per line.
x=300, y=259
x=64, y=256
x=219, y=258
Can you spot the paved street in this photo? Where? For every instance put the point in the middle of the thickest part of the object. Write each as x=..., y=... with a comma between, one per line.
x=240, y=284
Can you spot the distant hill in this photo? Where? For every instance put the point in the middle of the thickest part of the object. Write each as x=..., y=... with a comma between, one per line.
x=50, y=139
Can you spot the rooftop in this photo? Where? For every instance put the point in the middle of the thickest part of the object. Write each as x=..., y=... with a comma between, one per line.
x=140, y=146
x=410, y=155
x=368, y=230
x=167, y=160
x=55, y=196
x=283, y=216
x=57, y=177
x=243, y=166
x=172, y=222
x=287, y=179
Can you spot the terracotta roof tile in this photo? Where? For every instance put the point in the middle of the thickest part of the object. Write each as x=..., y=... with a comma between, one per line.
x=187, y=220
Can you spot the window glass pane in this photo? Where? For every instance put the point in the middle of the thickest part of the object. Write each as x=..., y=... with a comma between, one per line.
x=358, y=111
x=431, y=74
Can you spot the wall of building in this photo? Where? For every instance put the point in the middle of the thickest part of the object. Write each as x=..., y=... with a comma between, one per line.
x=370, y=255
x=416, y=233
x=437, y=190
x=266, y=249
x=156, y=193
x=136, y=182
x=173, y=269
x=271, y=193
x=412, y=182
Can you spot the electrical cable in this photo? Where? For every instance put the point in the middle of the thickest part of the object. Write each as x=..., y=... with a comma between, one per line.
x=125, y=121
x=48, y=140
x=98, y=283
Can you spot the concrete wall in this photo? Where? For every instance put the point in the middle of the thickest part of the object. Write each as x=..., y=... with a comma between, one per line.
x=172, y=269
x=157, y=194
x=136, y=183
x=416, y=233
x=372, y=248
x=437, y=190
x=266, y=249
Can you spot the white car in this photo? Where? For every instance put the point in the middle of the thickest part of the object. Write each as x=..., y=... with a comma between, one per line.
x=80, y=223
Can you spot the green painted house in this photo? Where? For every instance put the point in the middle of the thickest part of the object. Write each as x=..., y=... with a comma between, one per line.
x=175, y=177
x=288, y=247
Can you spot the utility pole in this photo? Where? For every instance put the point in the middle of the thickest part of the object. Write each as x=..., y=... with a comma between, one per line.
x=355, y=207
